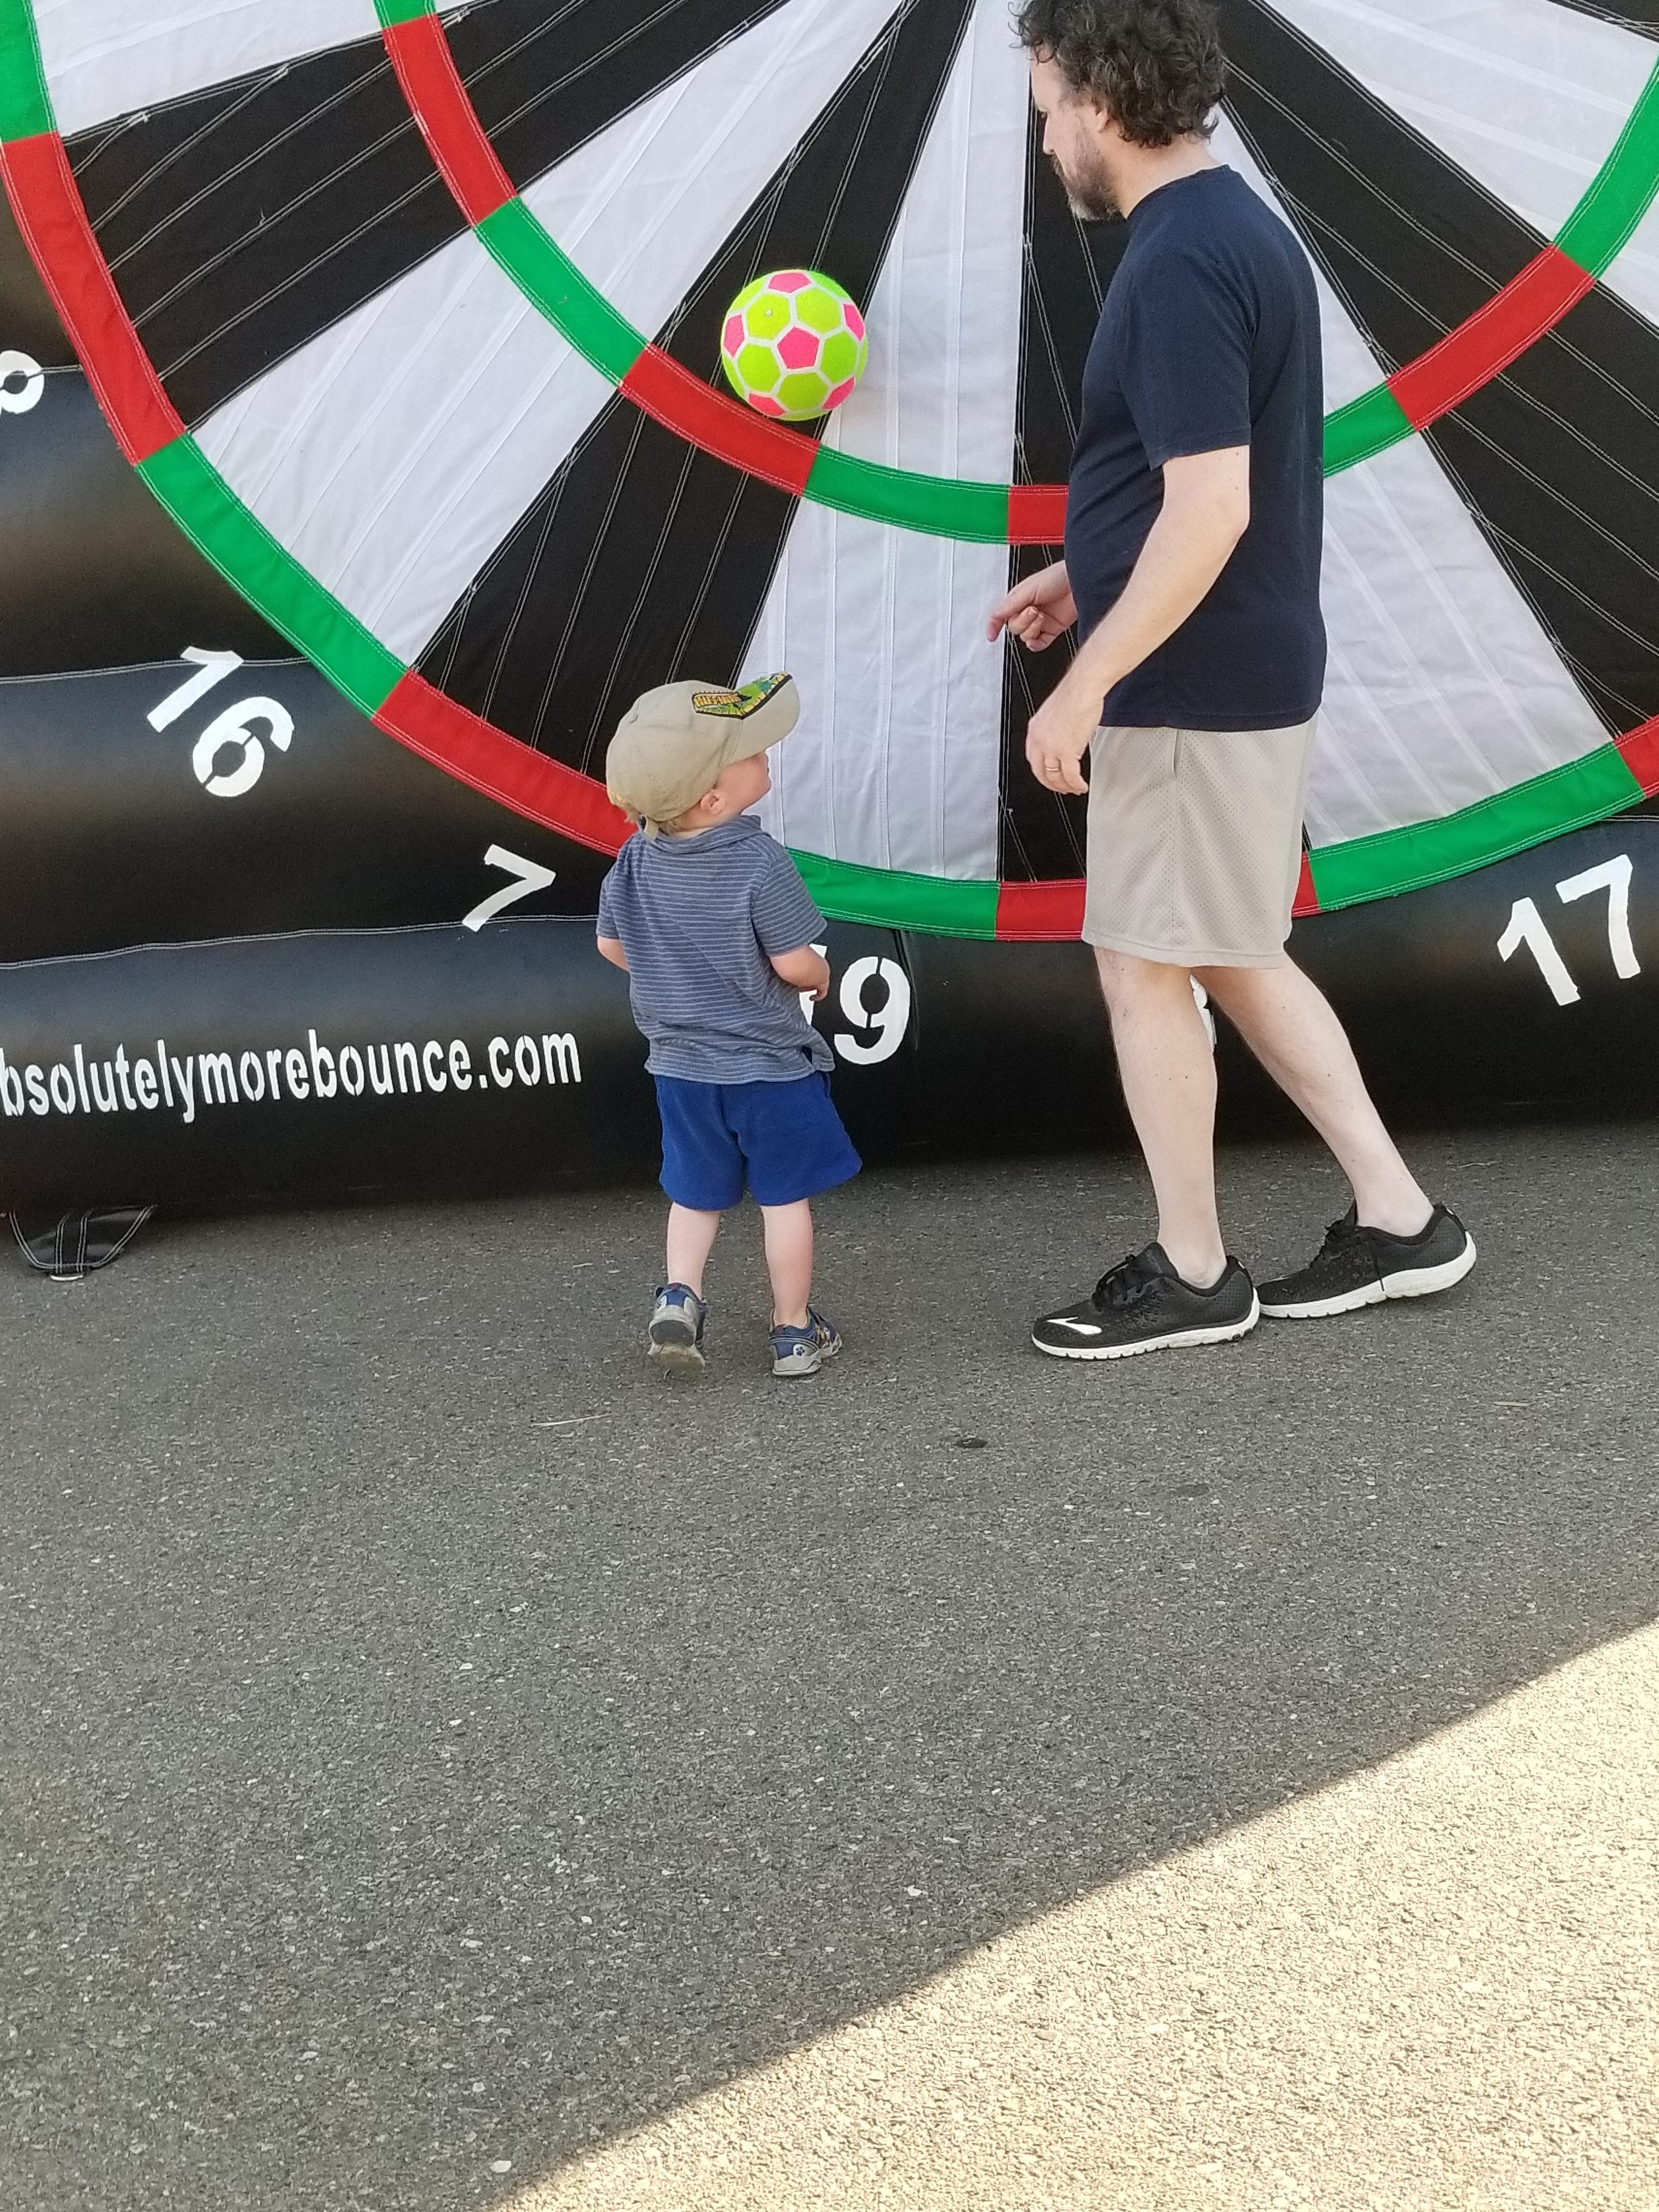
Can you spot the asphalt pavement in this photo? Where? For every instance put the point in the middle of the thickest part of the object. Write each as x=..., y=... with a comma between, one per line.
x=434, y=1746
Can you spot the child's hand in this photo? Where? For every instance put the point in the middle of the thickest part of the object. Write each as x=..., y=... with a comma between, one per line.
x=806, y=969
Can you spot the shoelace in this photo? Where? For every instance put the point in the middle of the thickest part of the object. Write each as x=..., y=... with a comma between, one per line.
x=1339, y=1236
x=1125, y=1284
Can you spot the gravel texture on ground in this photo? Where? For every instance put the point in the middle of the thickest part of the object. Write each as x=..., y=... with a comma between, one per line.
x=1431, y=1985
x=436, y=1749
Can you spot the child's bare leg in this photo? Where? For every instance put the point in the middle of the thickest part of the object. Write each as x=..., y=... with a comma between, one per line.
x=789, y=1260
x=691, y=1240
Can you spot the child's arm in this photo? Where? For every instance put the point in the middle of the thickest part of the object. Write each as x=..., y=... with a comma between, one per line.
x=806, y=969
x=611, y=949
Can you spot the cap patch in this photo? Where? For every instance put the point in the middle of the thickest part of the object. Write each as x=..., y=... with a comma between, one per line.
x=739, y=706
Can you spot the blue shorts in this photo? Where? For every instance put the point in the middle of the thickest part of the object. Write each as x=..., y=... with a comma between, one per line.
x=786, y=1138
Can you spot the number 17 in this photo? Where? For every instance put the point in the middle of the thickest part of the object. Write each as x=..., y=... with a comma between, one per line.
x=1527, y=927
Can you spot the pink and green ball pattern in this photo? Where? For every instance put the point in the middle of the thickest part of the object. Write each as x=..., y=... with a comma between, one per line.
x=794, y=345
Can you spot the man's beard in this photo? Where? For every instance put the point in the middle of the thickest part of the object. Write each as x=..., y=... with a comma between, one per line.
x=1090, y=198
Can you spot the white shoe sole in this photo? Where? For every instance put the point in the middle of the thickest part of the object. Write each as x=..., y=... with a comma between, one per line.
x=1408, y=1283
x=788, y=1373
x=678, y=1357
x=1175, y=1340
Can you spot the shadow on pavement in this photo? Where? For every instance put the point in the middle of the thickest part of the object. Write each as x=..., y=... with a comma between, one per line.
x=431, y=1741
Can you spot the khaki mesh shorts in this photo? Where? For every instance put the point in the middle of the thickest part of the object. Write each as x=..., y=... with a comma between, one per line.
x=1195, y=843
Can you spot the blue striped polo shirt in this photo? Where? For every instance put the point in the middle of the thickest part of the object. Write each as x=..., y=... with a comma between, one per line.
x=698, y=918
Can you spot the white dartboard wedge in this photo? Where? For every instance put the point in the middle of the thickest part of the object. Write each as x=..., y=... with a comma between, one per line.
x=392, y=454
x=897, y=762
x=104, y=58
x=1444, y=688
x=1528, y=97
x=642, y=208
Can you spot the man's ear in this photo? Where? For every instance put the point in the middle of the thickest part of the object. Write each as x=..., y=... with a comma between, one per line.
x=1104, y=123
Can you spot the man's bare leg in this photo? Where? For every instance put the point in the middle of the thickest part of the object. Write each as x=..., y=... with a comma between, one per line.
x=1168, y=1071
x=1291, y=1027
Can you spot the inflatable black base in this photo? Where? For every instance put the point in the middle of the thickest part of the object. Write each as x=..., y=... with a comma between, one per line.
x=342, y=1064
x=67, y=1246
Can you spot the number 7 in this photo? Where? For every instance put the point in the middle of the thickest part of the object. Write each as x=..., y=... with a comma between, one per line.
x=1614, y=878
x=528, y=876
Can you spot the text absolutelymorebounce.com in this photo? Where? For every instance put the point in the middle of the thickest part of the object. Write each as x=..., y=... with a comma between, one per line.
x=156, y=1080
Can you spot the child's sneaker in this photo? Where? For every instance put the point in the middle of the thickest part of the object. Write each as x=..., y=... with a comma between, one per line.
x=804, y=1351
x=676, y=1320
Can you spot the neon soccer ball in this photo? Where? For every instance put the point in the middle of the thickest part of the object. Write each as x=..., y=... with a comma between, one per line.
x=794, y=345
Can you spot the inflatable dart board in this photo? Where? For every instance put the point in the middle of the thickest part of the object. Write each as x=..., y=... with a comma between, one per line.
x=406, y=324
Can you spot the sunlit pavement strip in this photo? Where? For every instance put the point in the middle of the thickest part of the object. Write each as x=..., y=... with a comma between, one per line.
x=1434, y=1986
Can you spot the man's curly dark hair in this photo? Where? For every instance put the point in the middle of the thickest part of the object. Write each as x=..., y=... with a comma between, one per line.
x=1154, y=66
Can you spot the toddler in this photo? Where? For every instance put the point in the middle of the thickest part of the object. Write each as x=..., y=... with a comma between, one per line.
x=710, y=920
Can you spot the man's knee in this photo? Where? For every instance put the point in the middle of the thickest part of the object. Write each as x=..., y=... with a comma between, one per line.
x=1226, y=985
x=1126, y=981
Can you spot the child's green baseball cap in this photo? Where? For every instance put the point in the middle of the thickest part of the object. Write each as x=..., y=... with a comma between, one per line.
x=677, y=742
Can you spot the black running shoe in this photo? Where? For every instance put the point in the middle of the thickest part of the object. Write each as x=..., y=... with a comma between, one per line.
x=1357, y=1266
x=1143, y=1305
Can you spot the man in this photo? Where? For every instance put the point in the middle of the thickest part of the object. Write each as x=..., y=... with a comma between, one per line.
x=1193, y=544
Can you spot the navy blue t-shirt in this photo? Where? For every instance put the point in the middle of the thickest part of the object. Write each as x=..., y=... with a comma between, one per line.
x=1209, y=338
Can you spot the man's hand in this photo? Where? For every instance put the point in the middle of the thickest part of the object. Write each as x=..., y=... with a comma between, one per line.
x=1038, y=611
x=1205, y=511
x=1058, y=737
